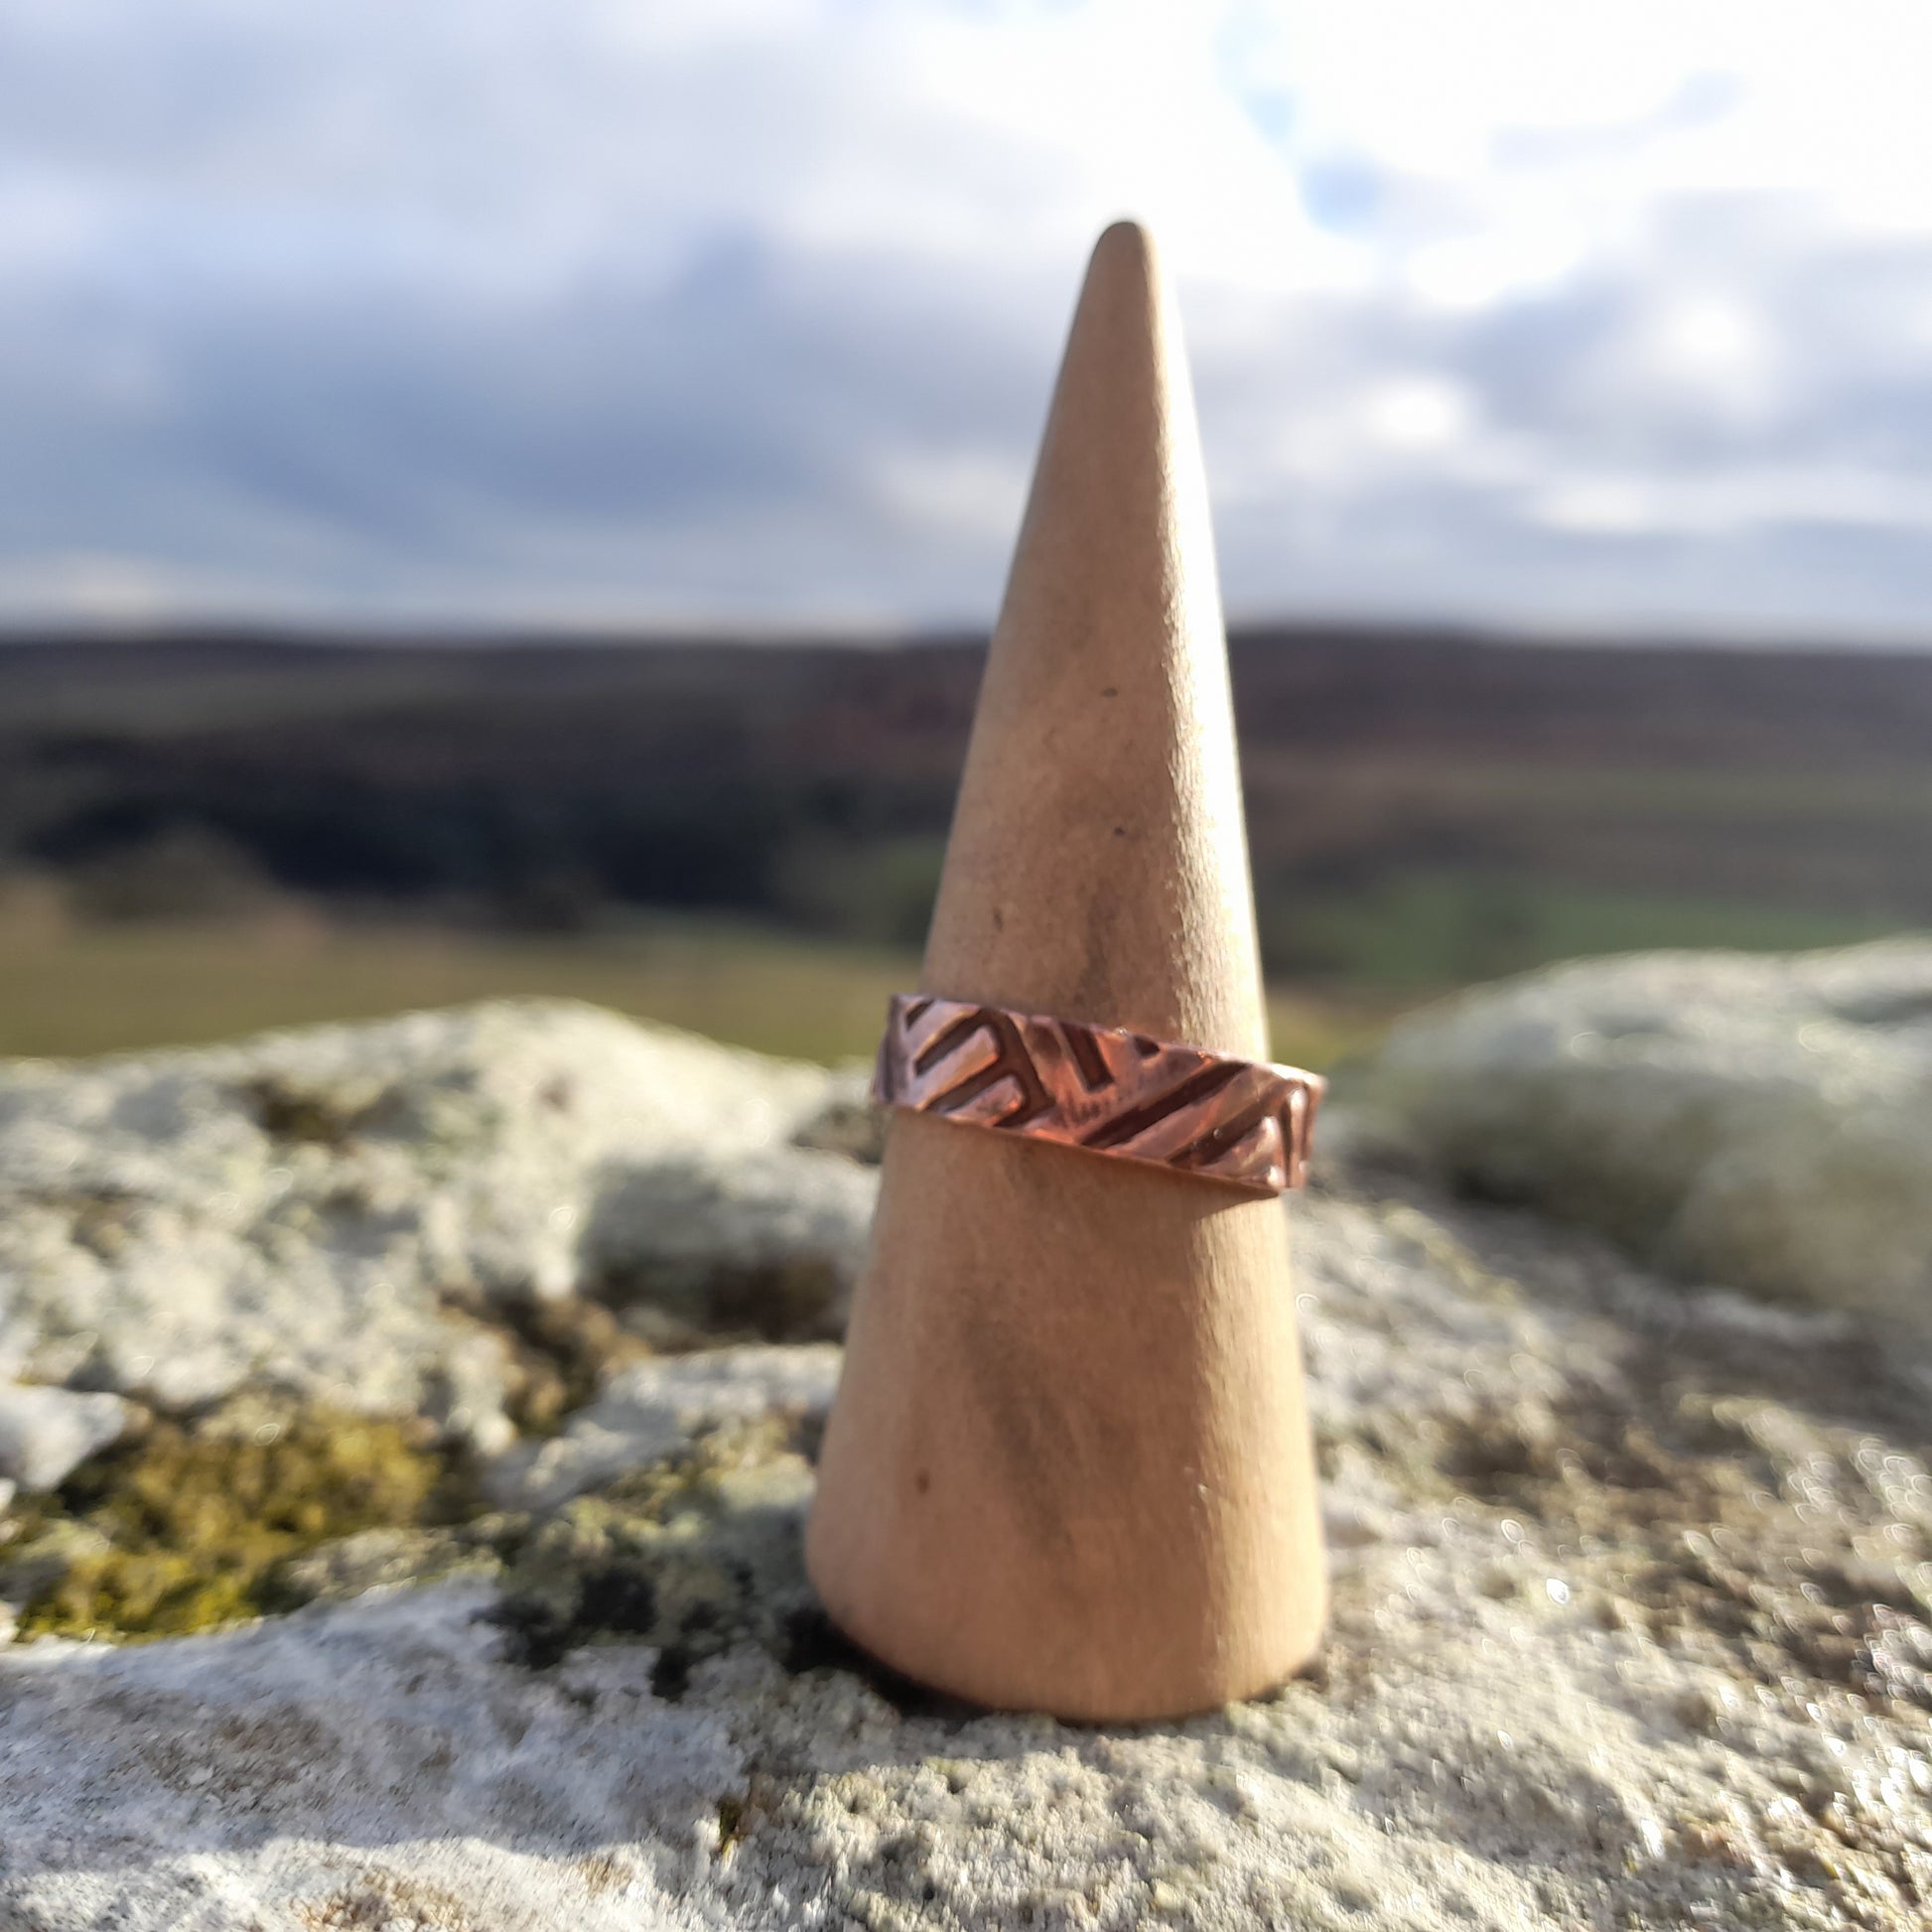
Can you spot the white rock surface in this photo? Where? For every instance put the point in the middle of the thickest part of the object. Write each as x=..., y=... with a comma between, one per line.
x=1765, y=1122
x=717, y=1242
x=652, y=1410
x=1632, y=1627
x=44, y=1434
x=296, y=1208
x=364, y=1766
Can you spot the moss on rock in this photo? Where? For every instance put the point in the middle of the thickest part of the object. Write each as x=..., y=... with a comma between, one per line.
x=693, y=1554
x=195, y=1523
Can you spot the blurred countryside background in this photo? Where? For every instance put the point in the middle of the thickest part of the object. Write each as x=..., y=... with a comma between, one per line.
x=508, y=499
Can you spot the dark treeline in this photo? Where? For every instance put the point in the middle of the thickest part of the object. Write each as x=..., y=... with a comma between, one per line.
x=1407, y=780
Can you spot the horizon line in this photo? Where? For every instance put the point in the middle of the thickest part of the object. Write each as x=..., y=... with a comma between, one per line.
x=644, y=632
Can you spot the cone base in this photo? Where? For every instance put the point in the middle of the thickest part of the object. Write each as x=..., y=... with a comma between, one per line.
x=1069, y=1469
x=934, y=1665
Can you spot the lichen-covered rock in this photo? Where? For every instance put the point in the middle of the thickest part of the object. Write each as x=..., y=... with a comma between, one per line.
x=195, y=1523
x=1632, y=1627
x=303, y=1210
x=1633, y=1596
x=381, y=1559
x=1765, y=1122
x=648, y=1411
x=767, y=1247
x=365, y=1766
x=46, y=1433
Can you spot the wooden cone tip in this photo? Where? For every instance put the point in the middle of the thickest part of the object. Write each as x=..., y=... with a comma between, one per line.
x=1097, y=867
x=1129, y=236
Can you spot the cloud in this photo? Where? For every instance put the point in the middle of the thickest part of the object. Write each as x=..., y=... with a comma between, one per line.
x=481, y=311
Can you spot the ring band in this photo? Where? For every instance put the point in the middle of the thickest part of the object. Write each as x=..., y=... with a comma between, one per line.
x=1246, y=1123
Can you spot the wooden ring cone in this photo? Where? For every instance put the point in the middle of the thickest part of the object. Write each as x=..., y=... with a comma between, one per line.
x=1069, y=1467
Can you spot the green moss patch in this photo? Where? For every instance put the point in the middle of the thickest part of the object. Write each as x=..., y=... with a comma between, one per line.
x=195, y=1523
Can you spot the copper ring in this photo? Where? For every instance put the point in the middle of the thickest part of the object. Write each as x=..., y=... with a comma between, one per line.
x=1242, y=1122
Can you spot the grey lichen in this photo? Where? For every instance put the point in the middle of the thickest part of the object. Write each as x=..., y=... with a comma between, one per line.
x=1763, y=1122
x=691, y=1555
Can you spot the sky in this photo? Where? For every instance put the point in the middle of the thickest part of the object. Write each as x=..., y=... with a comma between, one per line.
x=743, y=313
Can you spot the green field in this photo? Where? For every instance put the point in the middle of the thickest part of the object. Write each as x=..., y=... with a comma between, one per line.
x=76, y=986
x=67, y=989
x=1418, y=931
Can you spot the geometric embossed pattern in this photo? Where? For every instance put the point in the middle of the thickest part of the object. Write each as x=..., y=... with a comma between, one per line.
x=1242, y=1122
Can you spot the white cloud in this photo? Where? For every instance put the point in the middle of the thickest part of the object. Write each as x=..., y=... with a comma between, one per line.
x=972, y=494
x=1530, y=309
x=1419, y=413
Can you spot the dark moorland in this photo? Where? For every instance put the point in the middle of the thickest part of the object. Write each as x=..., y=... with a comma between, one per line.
x=1425, y=808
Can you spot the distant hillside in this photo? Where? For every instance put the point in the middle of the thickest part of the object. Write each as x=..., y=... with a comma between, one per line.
x=1422, y=807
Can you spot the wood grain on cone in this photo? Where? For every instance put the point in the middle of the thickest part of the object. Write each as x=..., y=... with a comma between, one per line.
x=1069, y=1469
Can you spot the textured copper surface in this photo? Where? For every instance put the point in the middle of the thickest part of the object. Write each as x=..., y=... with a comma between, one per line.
x=1101, y=1088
